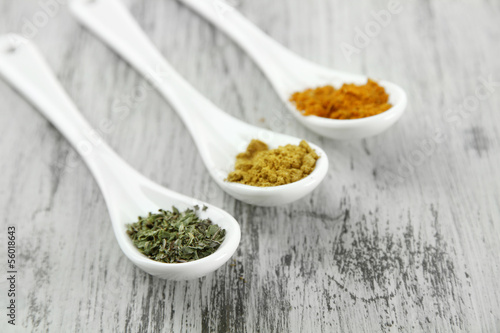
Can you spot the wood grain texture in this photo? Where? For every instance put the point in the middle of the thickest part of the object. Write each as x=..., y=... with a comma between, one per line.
x=403, y=235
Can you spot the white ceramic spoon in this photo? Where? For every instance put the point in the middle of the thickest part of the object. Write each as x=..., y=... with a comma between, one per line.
x=290, y=73
x=128, y=194
x=218, y=136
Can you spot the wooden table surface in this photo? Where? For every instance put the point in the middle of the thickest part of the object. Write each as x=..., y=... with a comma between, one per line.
x=402, y=236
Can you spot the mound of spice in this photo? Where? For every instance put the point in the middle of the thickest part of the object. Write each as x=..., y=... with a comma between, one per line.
x=176, y=237
x=349, y=102
x=261, y=166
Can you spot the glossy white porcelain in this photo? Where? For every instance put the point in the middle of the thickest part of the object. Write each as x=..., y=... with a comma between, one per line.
x=218, y=136
x=128, y=194
x=289, y=73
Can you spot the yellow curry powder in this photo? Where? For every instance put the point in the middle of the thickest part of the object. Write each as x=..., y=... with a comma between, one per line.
x=261, y=166
x=349, y=102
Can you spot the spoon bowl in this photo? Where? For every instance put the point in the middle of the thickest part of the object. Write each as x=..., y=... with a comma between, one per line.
x=155, y=197
x=277, y=195
x=218, y=136
x=289, y=73
x=348, y=129
x=127, y=193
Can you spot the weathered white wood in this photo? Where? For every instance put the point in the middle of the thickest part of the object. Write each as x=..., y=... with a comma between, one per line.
x=402, y=236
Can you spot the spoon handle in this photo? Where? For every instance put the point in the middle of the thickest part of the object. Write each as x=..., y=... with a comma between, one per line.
x=112, y=22
x=22, y=65
x=209, y=126
x=278, y=63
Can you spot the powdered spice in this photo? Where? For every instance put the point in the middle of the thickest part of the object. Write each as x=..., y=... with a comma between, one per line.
x=261, y=166
x=349, y=102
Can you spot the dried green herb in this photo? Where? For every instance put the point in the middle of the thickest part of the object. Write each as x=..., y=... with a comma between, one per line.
x=176, y=237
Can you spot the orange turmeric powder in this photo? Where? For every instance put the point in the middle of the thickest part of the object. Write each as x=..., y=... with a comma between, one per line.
x=349, y=102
